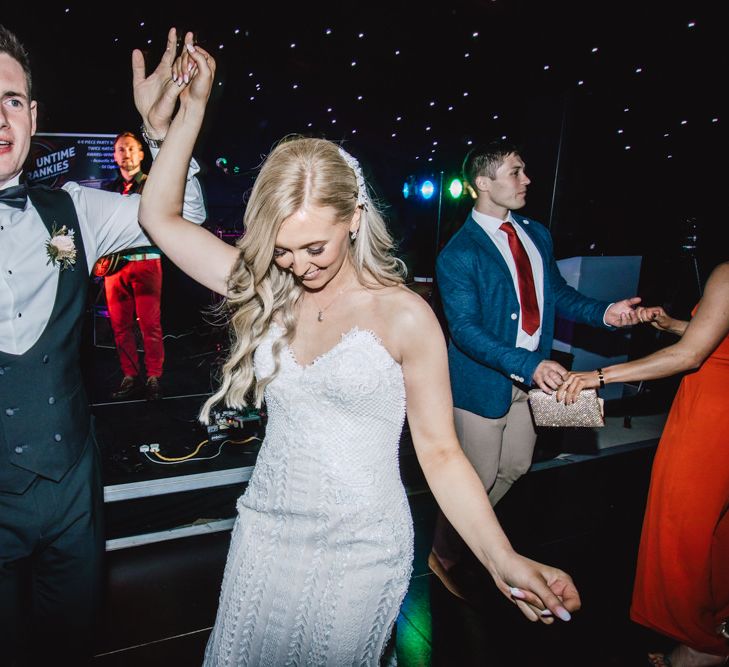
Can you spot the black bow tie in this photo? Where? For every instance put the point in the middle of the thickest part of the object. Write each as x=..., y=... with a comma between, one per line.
x=15, y=196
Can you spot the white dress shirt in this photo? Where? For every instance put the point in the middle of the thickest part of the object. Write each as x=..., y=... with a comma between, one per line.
x=491, y=226
x=28, y=282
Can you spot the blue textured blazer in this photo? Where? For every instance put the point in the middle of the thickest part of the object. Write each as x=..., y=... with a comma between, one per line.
x=482, y=311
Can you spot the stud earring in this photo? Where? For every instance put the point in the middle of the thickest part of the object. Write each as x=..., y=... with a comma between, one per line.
x=353, y=235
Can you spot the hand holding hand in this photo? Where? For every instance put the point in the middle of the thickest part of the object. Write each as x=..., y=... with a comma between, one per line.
x=656, y=317
x=549, y=375
x=541, y=592
x=155, y=96
x=622, y=313
x=574, y=383
x=194, y=71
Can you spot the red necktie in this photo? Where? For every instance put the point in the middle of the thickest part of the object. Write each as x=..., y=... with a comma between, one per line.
x=527, y=293
x=127, y=187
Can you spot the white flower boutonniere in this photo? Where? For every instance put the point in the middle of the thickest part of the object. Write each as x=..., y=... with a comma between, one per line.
x=61, y=249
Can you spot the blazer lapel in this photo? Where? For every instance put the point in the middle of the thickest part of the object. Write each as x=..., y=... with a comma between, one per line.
x=484, y=241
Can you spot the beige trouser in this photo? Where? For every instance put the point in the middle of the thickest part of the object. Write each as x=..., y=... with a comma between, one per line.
x=500, y=450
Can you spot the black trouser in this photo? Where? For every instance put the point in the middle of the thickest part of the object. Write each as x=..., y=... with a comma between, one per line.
x=51, y=544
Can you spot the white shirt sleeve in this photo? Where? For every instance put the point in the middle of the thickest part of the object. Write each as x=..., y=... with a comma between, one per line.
x=108, y=220
x=193, y=205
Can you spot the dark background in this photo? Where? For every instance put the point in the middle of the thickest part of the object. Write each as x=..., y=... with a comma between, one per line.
x=615, y=105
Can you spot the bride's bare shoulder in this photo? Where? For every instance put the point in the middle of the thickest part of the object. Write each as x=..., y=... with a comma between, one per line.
x=405, y=309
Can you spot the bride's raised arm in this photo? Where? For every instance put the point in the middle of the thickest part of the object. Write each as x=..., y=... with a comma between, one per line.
x=199, y=253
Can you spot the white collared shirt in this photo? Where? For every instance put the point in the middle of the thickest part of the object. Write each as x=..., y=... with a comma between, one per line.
x=491, y=226
x=28, y=282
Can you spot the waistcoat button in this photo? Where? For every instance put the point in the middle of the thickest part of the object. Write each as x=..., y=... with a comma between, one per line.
x=57, y=437
x=18, y=450
x=45, y=358
x=51, y=400
x=10, y=411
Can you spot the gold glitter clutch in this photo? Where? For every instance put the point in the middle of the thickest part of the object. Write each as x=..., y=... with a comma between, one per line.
x=587, y=410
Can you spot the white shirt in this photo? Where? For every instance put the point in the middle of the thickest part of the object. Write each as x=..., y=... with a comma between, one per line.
x=28, y=283
x=491, y=226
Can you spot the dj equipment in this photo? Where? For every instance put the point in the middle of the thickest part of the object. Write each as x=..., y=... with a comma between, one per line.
x=224, y=423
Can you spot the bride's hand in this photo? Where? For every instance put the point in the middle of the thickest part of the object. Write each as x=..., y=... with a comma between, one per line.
x=194, y=70
x=540, y=591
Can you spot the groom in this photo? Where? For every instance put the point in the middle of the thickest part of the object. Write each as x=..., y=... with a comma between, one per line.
x=51, y=494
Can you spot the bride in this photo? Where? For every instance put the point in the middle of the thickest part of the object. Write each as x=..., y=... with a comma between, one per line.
x=325, y=332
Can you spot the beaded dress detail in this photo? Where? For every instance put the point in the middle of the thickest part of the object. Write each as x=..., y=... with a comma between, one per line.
x=321, y=551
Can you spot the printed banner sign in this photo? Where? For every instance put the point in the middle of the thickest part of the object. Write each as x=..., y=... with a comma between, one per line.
x=87, y=159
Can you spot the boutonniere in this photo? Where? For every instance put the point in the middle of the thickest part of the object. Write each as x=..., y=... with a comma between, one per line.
x=61, y=249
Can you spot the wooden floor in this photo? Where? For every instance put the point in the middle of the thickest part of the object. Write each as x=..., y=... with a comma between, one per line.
x=582, y=514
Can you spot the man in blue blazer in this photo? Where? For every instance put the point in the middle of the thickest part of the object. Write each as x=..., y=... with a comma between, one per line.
x=500, y=288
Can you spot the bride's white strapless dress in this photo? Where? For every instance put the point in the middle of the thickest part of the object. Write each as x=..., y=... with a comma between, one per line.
x=321, y=551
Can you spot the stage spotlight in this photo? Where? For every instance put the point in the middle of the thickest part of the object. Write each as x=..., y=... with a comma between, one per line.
x=427, y=189
x=406, y=190
x=455, y=188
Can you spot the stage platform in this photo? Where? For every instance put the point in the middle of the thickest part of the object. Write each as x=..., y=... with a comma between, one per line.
x=165, y=479
x=579, y=509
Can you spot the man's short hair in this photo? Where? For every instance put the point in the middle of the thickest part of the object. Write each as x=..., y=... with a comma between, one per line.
x=485, y=159
x=11, y=45
x=131, y=135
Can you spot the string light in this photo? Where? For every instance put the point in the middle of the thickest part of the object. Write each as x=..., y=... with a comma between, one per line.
x=611, y=81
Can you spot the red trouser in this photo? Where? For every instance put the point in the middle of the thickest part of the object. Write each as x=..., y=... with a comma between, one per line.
x=137, y=285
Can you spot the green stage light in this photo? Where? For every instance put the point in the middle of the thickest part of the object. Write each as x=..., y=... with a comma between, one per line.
x=455, y=188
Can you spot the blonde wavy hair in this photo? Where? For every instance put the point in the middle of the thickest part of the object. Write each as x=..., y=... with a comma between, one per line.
x=299, y=172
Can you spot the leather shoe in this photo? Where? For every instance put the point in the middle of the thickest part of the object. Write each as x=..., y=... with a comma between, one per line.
x=127, y=387
x=448, y=577
x=152, y=389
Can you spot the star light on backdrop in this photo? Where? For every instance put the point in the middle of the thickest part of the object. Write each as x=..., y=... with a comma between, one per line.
x=619, y=96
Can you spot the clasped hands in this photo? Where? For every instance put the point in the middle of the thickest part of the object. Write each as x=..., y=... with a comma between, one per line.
x=187, y=76
x=541, y=592
x=573, y=382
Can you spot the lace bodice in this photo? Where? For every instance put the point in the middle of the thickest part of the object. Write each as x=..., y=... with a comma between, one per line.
x=342, y=414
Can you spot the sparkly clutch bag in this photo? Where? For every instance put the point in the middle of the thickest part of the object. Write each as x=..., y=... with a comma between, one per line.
x=587, y=410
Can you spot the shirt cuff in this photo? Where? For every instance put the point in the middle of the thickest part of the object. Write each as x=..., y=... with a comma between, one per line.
x=604, y=315
x=192, y=170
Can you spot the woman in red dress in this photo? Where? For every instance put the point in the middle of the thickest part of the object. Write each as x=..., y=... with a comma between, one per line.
x=682, y=582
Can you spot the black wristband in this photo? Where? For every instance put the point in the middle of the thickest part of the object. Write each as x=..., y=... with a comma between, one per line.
x=601, y=377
